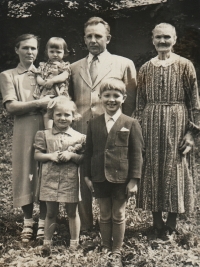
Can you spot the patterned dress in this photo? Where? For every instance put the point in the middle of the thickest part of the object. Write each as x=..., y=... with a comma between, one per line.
x=48, y=70
x=167, y=107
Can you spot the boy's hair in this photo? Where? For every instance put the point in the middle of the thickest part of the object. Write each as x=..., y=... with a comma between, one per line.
x=113, y=84
x=62, y=100
x=58, y=43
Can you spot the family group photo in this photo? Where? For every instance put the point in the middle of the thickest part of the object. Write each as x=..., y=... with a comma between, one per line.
x=100, y=133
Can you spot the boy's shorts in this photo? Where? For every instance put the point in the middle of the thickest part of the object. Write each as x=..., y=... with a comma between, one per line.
x=106, y=189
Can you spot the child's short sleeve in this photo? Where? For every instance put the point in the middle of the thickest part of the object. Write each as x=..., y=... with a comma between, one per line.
x=40, y=142
x=65, y=66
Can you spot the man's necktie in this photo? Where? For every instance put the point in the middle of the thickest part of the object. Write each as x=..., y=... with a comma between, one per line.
x=93, y=69
x=109, y=124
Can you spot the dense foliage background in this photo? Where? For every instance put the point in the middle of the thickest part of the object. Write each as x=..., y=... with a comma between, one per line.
x=131, y=24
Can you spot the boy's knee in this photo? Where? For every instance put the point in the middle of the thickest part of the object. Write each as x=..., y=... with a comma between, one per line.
x=118, y=218
x=105, y=216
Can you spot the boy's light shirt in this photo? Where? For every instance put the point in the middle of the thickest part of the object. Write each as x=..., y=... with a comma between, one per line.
x=101, y=58
x=114, y=117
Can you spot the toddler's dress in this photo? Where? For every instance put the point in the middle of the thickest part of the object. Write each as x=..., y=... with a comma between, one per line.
x=46, y=71
x=60, y=181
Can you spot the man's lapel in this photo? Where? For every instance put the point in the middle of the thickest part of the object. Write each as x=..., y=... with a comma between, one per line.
x=84, y=73
x=105, y=69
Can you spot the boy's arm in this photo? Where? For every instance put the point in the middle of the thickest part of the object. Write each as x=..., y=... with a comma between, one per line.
x=89, y=184
x=136, y=145
x=88, y=152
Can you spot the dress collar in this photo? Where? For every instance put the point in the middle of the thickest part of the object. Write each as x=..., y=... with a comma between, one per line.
x=164, y=63
x=21, y=69
x=69, y=131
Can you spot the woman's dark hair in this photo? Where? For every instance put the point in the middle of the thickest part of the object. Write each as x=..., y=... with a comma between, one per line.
x=26, y=36
x=58, y=43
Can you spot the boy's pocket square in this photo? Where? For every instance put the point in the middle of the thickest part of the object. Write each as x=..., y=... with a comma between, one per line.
x=123, y=129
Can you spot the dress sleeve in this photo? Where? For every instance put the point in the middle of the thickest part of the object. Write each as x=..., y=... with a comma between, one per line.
x=40, y=142
x=65, y=66
x=7, y=87
x=141, y=95
x=192, y=98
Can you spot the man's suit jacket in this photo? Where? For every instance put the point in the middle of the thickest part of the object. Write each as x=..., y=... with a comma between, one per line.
x=86, y=95
x=117, y=155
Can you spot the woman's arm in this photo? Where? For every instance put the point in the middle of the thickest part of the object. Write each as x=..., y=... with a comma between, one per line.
x=15, y=107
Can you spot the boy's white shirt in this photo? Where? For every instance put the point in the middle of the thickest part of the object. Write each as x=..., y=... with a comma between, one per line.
x=110, y=120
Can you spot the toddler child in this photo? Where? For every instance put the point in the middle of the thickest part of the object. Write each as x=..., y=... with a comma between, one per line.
x=112, y=164
x=53, y=75
x=60, y=150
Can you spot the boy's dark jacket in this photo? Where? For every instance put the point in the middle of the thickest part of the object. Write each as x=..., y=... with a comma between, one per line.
x=117, y=155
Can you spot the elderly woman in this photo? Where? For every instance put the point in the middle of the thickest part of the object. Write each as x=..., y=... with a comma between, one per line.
x=168, y=109
x=17, y=87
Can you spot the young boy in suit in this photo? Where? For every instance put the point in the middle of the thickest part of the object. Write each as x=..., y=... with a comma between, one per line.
x=113, y=163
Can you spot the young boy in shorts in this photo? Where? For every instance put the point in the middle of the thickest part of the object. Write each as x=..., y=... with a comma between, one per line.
x=113, y=164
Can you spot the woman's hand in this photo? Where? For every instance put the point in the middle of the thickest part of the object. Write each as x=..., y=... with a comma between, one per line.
x=131, y=188
x=65, y=156
x=43, y=102
x=89, y=184
x=186, y=144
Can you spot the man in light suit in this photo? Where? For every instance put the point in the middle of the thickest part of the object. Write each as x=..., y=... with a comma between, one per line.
x=87, y=75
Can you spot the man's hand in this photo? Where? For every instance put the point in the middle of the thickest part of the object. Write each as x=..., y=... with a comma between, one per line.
x=131, y=188
x=186, y=144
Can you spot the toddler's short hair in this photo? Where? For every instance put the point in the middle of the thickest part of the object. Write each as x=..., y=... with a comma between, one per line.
x=62, y=100
x=113, y=84
x=58, y=43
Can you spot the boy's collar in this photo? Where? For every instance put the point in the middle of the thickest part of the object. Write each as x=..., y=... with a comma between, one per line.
x=114, y=117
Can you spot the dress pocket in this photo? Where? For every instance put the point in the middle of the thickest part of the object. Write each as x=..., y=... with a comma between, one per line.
x=122, y=138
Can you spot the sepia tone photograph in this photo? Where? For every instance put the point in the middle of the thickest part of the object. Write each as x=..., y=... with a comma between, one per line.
x=99, y=133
